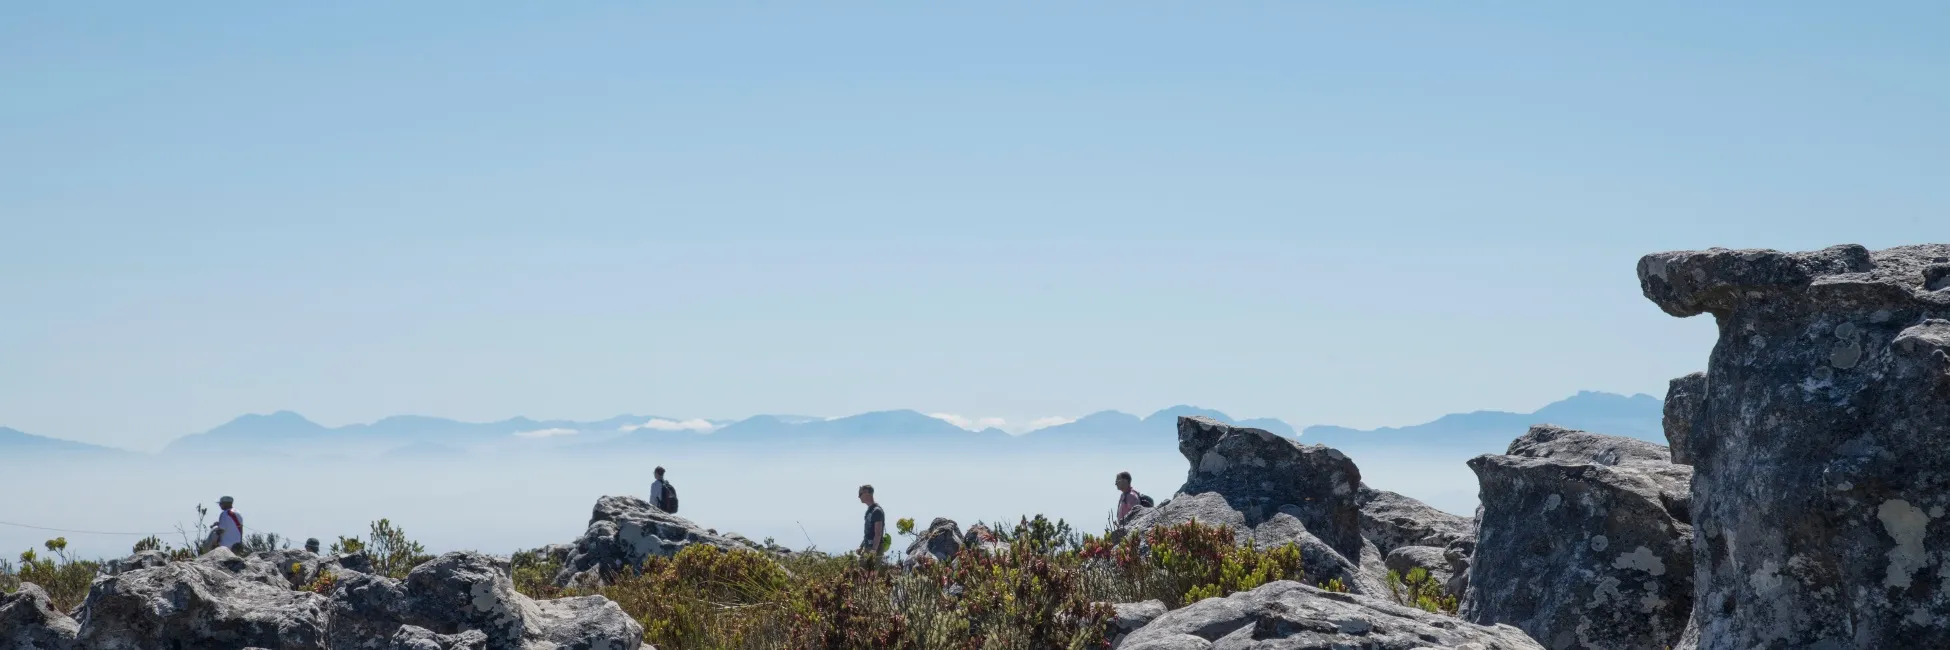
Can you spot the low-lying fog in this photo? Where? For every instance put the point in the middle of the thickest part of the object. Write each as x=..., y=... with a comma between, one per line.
x=500, y=505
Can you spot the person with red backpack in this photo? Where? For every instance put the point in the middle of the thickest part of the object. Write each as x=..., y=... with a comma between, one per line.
x=229, y=530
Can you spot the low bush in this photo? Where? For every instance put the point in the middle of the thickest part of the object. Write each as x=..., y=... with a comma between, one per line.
x=1421, y=590
x=1048, y=588
x=65, y=578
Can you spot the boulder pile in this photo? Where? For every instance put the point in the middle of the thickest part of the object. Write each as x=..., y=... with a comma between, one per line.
x=225, y=602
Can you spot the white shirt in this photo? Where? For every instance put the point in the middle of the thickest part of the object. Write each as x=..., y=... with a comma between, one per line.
x=657, y=493
x=232, y=525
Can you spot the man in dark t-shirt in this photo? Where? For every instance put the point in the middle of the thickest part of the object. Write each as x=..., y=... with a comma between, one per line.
x=876, y=526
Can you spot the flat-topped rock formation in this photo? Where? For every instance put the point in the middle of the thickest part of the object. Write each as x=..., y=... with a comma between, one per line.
x=1821, y=473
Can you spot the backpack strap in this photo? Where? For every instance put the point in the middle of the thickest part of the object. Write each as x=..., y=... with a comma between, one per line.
x=238, y=520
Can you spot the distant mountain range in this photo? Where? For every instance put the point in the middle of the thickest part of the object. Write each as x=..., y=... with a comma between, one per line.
x=410, y=437
x=1637, y=416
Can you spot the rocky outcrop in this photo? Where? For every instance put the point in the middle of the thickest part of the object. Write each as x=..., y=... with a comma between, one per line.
x=939, y=543
x=298, y=567
x=222, y=601
x=1584, y=542
x=1459, y=553
x=1288, y=615
x=1259, y=473
x=218, y=601
x=1685, y=396
x=467, y=591
x=1822, y=478
x=28, y=621
x=1131, y=617
x=980, y=537
x=1272, y=491
x=623, y=531
x=1392, y=521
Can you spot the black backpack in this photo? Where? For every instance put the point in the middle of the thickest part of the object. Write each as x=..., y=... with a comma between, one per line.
x=670, y=499
x=1145, y=501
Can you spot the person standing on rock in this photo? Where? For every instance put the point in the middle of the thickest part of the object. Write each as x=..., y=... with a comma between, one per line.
x=875, y=530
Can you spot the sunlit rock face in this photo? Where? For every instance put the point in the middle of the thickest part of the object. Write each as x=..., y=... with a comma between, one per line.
x=1822, y=473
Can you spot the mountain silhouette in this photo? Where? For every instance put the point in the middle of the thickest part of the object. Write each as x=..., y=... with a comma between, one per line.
x=1637, y=416
x=16, y=444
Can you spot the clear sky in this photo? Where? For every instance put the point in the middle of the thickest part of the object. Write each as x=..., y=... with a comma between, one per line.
x=1360, y=213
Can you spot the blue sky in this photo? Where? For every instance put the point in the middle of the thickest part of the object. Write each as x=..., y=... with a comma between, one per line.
x=1350, y=213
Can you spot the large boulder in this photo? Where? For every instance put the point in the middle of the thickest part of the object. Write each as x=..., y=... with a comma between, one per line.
x=28, y=621
x=1392, y=521
x=1822, y=477
x=1685, y=396
x=623, y=531
x=218, y=602
x=464, y=592
x=1321, y=561
x=1272, y=491
x=939, y=543
x=1287, y=615
x=1584, y=542
x=1260, y=473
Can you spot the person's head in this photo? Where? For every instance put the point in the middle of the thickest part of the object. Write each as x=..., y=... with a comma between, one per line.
x=866, y=494
x=660, y=471
x=224, y=503
x=311, y=545
x=1123, y=481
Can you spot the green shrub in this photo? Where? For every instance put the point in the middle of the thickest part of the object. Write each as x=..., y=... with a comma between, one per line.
x=65, y=578
x=1421, y=590
x=393, y=553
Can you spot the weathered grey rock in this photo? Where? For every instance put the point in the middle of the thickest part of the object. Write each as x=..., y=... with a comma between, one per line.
x=1583, y=543
x=1288, y=615
x=1427, y=558
x=143, y=560
x=216, y=602
x=28, y=621
x=299, y=567
x=623, y=531
x=1321, y=560
x=1271, y=491
x=1392, y=521
x=1459, y=553
x=1685, y=397
x=366, y=611
x=1259, y=472
x=1132, y=616
x=413, y=637
x=244, y=568
x=1821, y=468
x=939, y=543
x=467, y=591
x=343, y=563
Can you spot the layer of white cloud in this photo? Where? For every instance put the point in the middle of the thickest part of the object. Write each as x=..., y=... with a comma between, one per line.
x=660, y=424
x=545, y=433
x=971, y=424
x=1045, y=423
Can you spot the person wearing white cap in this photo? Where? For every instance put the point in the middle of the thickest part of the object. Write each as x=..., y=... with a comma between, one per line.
x=230, y=523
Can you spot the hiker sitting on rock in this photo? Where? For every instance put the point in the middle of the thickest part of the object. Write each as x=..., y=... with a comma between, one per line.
x=1128, y=499
x=662, y=495
x=875, y=531
x=229, y=529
